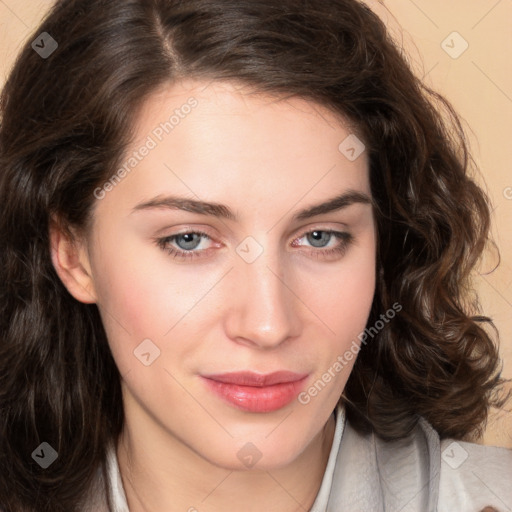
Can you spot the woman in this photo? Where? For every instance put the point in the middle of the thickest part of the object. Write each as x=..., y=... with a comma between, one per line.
x=236, y=241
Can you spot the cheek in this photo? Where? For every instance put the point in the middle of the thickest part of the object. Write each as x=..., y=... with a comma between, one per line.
x=344, y=298
x=134, y=283
x=135, y=298
x=132, y=296
x=144, y=295
x=344, y=307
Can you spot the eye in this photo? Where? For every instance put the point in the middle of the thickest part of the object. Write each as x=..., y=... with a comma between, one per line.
x=319, y=238
x=186, y=245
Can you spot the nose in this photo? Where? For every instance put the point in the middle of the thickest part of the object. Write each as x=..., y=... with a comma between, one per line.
x=262, y=308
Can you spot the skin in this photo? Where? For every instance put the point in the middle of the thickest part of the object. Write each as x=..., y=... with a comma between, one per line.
x=290, y=309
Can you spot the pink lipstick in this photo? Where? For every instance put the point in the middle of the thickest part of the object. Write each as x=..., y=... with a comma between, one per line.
x=255, y=392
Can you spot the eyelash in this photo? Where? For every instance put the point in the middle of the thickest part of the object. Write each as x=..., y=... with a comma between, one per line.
x=345, y=240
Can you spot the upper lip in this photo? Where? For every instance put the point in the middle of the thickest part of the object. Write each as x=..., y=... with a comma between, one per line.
x=257, y=379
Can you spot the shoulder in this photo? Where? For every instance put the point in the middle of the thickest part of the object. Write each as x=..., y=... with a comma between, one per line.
x=474, y=476
x=420, y=472
x=373, y=474
x=468, y=477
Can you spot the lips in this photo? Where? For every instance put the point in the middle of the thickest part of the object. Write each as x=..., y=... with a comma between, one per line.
x=255, y=392
x=257, y=380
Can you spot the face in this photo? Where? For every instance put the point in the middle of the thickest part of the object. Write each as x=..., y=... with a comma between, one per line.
x=190, y=293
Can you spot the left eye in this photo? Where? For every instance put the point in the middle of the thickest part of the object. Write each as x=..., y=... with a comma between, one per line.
x=319, y=236
x=188, y=242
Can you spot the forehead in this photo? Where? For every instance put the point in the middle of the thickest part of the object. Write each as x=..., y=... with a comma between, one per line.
x=217, y=141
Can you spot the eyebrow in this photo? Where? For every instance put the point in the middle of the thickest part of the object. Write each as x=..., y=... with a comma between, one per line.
x=339, y=202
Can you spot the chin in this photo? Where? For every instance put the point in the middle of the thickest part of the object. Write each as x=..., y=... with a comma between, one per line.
x=258, y=455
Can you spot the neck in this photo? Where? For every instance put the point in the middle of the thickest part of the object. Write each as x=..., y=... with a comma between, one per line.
x=177, y=479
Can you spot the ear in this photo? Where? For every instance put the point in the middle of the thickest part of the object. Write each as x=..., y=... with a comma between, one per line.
x=71, y=262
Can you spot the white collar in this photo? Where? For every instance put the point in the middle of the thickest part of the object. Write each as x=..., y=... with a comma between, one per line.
x=324, y=492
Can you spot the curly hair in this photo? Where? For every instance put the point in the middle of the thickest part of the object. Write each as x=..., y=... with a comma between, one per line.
x=66, y=121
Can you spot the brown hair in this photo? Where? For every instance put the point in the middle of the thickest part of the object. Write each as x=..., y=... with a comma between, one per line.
x=64, y=132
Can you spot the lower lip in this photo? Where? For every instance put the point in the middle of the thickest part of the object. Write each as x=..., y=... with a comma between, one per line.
x=254, y=399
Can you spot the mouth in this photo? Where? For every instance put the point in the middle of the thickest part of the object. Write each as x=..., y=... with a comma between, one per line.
x=254, y=392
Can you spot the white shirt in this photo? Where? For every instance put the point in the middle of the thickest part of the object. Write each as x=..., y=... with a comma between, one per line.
x=419, y=473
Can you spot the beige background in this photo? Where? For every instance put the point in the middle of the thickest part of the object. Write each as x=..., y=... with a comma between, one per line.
x=477, y=82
